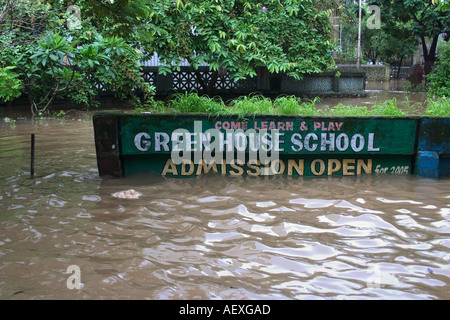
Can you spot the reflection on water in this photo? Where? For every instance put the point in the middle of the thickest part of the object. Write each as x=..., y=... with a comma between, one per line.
x=211, y=237
x=378, y=92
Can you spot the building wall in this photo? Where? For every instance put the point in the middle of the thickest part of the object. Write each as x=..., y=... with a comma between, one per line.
x=373, y=72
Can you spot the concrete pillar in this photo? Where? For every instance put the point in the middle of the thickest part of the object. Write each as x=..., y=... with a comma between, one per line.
x=427, y=164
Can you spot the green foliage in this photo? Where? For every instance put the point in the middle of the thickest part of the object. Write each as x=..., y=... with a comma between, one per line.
x=10, y=86
x=294, y=106
x=129, y=20
x=391, y=45
x=349, y=57
x=250, y=106
x=288, y=105
x=410, y=87
x=439, y=84
x=422, y=16
x=418, y=18
x=442, y=5
x=193, y=103
x=439, y=107
x=404, y=23
x=21, y=21
x=242, y=36
x=54, y=61
x=56, y=68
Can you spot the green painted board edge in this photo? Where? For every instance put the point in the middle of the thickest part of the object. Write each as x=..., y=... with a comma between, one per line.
x=400, y=150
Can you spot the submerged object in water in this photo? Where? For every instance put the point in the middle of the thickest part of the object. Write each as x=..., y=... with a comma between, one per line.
x=127, y=194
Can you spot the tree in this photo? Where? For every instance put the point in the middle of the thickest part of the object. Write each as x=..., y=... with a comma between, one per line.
x=22, y=21
x=423, y=21
x=391, y=46
x=131, y=20
x=239, y=36
x=242, y=37
x=10, y=86
x=54, y=60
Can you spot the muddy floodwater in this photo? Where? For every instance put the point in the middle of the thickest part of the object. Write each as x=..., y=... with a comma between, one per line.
x=210, y=237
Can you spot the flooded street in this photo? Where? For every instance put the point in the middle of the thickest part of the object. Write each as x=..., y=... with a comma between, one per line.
x=378, y=92
x=210, y=237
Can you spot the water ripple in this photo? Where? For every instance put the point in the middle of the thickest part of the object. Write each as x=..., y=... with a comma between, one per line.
x=214, y=237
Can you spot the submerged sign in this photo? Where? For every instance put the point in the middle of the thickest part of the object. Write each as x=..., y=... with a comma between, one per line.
x=192, y=145
x=253, y=140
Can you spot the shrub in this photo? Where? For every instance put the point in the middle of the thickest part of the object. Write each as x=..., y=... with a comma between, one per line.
x=193, y=103
x=10, y=86
x=439, y=77
x=439, y=107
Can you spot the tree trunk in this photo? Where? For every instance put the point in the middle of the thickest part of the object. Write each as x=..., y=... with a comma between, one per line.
x=399, y=67
x=429, y=55
x=212, y=83
x=207, y=87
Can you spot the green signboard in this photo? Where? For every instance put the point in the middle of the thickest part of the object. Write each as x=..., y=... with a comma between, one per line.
x=192, y=145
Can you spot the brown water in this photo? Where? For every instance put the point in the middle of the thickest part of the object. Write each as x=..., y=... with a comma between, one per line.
x=367, y=237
